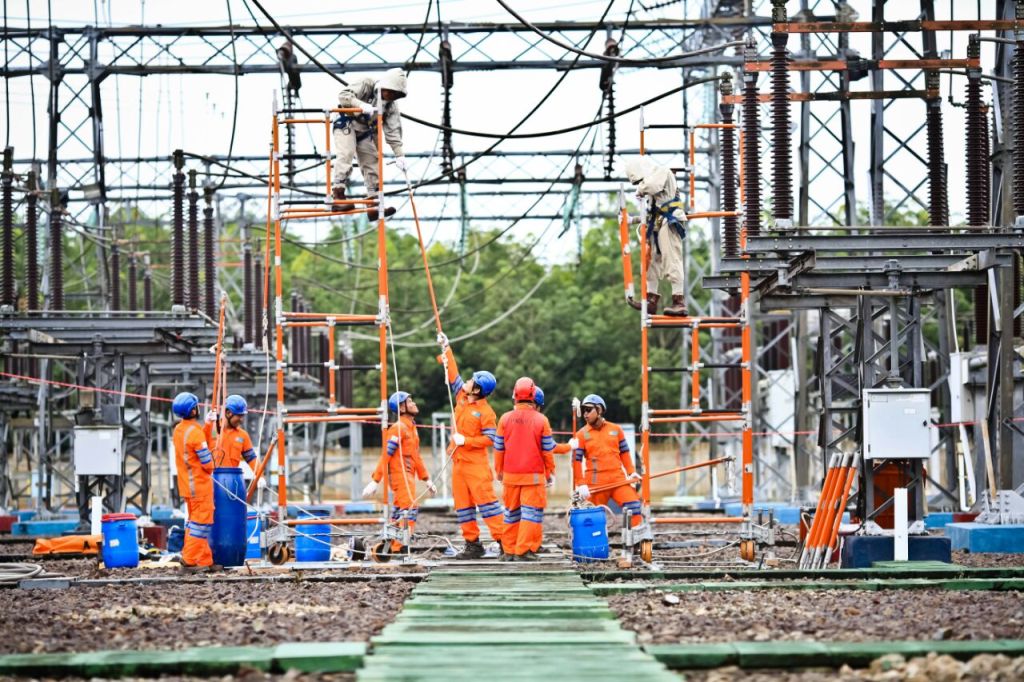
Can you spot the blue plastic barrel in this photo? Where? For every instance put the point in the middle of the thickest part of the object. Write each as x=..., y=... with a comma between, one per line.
x=175, y=539
x=227, y=540
x=120, y=541
x=589, y=534
x=253, y=526
x=313, y=541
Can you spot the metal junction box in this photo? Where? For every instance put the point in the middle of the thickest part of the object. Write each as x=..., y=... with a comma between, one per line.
x=97, y=450
x=896, y=423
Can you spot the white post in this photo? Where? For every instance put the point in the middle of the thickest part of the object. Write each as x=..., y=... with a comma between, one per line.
x=96, y=515
x=900, y=550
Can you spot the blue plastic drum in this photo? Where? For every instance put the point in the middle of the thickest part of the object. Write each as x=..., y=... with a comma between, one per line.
x=227, y=540
x=120, y=541
x=589, y=534
x=253, y=526
x=313, y=541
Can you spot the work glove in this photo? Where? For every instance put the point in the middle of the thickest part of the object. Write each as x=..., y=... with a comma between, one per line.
x=261, y=483
x=371, y=489
x=551, y=481
x=458, y=439
x=634, y=477
x=401, y=164
x=368, y=109
x=583, y=492
x=576, y=406
x=442, y=340
x=574, y=443
x=211, y=417
x=431, y=487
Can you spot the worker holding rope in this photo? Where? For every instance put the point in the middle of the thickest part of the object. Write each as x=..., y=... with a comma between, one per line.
x=601, y=457
x=400, y=457
x=474, y=431
x=525, y=466
x=194, y=466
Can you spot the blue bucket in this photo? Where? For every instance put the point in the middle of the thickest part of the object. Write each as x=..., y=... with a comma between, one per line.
x=253, y=526
x=227, y=539
x=589, y=534
x=314, y=543
x=175, y=539
x=120, y=541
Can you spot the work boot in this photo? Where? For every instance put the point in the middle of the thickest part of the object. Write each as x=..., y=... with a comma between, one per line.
x=339, y=195
x=373, y=214
x=678, y=307
x=506, y=557
x=528, y=556
x=652, y=303
x=472, y=551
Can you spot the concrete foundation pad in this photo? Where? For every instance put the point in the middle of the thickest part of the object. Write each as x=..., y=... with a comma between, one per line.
x=983, y=537
x=861, y=551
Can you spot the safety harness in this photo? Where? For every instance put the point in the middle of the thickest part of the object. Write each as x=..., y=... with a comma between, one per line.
x=667, y=211
x=343, y=121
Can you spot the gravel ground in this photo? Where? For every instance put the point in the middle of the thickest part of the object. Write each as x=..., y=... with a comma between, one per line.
x=208, y=614
x=828, y=615
x=931, y=668
x=988, y=560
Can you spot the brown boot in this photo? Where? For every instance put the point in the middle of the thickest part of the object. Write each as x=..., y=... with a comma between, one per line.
x=678, y=307
x=373, y=215
x=652, y=303
x=339, y=195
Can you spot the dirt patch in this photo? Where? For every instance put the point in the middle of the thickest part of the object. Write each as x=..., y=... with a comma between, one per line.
x=985, y=560
x=184, y=615
x=829, y=615
x=982, y=668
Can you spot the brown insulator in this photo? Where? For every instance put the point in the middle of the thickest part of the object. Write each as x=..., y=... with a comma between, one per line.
x=249, y=302
x=296, y=332
x=1018, y=282
x=133, y=283
x=730, y=223
x=751, y=151
x=115, y=277
x=1017, y=112
x=976, y=162
x=56, y=251
x=257, y=308
x=147, y=288
x=178, y=232
x=193, y=242
x=32, y=241
x=981, y=315
x=209, y=256
x=782, y=159
x=7, y=289
x=938, y=206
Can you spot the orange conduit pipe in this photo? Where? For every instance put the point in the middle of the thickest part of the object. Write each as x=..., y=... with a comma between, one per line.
x=833, y=532
x=830, y=508
x=819, y=511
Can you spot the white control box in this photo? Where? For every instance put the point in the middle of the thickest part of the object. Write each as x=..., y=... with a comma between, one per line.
x=97, y=451
x=896, y=423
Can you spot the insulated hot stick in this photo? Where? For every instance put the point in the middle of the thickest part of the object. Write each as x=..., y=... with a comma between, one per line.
x=611, y=486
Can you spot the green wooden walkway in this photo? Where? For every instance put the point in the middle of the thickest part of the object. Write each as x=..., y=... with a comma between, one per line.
x=507, y=625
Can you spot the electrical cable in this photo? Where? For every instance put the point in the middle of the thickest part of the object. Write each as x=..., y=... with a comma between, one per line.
x=7, y=84
x=423, y=33
x=234, y=64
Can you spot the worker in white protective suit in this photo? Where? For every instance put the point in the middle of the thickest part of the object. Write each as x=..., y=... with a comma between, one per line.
x=666, y=230
x=355, y=135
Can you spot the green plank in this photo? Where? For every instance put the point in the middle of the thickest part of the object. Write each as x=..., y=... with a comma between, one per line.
x=311, y=657
x=195, y=661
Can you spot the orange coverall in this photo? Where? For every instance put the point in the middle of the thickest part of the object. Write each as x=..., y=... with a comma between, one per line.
x=472, y=480
x=523, y=461
x=235, y=445
x=607, y=456
x=401, y=456
x=194, y=464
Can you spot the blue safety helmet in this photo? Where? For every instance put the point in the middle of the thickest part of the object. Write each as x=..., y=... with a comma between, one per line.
x=486, y=381
x=538, y=396
x=594, y=399
x=235, y=404
x=183, y=405
x=396, y=400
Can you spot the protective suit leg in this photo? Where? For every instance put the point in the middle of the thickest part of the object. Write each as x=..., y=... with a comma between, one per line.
x=366, y=153
x=626, y=498
x=196, y=551
x=526, y=512
x=344, y=152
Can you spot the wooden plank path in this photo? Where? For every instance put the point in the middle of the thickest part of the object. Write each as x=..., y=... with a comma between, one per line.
x=507, y=625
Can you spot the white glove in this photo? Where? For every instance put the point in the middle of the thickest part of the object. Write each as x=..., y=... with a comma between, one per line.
x=401, y=164
x=458, y=439
x=371, y=489
x=261, y=483
x=211, y=417
x=442, y=340
x=574, y=443
x=551, y=481
x=431, y=487
x=368, y=109
x=583, y=491
x=576, y=406
x=634, y=477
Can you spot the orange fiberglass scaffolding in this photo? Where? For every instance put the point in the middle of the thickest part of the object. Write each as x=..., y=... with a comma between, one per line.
x=641, y=535
x=278, y=537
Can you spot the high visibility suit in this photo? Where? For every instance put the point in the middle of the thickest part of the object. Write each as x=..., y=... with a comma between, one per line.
x=400, y=458
x=607, y=460
x=194, y=464
x=232, y=446
x=355, y=135
x=472, y=479
x=666, y=222
x=524, y=463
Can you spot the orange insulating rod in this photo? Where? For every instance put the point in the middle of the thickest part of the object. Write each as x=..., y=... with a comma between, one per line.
x=676, y=470
x=699, y=519
x=833, y=532
x=693, y=162
x=333, y=522
x=712, y=214
x=627, y=259
x=818, y=521
x=339, y=317
x=257, y=473
x=694, y=362
x=830, y=508
x=698, y=418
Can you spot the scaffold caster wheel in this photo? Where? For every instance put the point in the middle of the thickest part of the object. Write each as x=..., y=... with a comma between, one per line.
x=647, y=550
x=747, y=550
x=358, y=549
x=279, y=553
x=380, y=552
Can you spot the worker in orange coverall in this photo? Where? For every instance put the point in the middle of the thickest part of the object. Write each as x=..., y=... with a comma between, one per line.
x=234, y=444
x=194, y=465
x=525, y=466
x=604, y=447
x=401, y=458
x=472, y=479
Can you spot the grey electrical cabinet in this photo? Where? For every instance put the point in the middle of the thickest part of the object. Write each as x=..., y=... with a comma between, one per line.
x=896, y=423
x=97, y=450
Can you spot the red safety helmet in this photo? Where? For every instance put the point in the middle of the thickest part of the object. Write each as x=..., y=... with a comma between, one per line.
x=524, y=389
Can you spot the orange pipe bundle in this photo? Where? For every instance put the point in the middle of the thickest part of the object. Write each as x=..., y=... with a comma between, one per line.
x=829, y=544
x=816, y=520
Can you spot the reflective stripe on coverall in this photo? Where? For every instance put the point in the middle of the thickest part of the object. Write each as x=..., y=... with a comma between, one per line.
x=401, y=454
x=194, y=463
x=235, y=445
x=607, y=460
